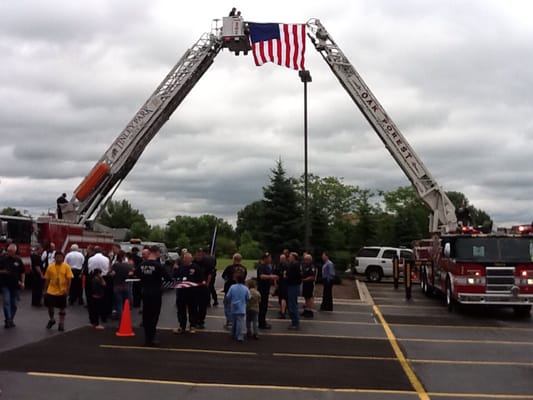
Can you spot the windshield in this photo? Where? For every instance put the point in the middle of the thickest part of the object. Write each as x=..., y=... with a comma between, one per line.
x=512, y=249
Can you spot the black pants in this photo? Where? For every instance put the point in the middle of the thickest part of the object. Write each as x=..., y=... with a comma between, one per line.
x=263, y=306
x=212, y=289
x=96, y=308
x=327, y=296
x=186, y=302
x=136, y=291
x=108, y=296
x=203, y=300
x=76, y=290
x=37, y=285
x=151, y=311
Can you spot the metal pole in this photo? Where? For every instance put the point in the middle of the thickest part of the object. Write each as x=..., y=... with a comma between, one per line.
x=305, y=76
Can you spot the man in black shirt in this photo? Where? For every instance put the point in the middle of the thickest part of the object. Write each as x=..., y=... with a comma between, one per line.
x=37, y=277
x=190, y=279
x=309, y=273
x=60, y=201
x=152, y=274
x=11, y=280
x=207, y=268
x=265, y=277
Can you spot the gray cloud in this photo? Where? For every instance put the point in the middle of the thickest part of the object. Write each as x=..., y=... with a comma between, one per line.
x=454, y=77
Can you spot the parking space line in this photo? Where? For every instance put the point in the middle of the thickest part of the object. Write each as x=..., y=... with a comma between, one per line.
x=415, y=382
x=223, y=385
x=303, y=321
x=476, y=327
x=482, y=395
x=473, y=362
x=344, y=357
x=179, y=350
x=468, y=341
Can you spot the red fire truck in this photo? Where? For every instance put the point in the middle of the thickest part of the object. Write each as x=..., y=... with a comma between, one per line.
x=27, y=232
x=479, y=269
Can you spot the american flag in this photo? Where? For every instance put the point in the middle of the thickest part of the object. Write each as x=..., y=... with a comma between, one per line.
x=282, y=44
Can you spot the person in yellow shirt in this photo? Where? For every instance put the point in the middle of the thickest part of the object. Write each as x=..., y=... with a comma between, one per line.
x=58, y=277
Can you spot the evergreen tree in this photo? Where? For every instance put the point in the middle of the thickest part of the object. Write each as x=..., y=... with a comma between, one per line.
x=282, y=214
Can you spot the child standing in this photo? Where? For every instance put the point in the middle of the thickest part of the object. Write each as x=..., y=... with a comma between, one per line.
x=237, y=296
x=252, y=310
x=96, y=302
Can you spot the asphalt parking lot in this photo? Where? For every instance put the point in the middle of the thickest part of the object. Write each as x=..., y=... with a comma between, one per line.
x=379, y=347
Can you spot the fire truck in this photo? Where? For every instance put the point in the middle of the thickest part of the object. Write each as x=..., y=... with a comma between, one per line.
x=27, y=232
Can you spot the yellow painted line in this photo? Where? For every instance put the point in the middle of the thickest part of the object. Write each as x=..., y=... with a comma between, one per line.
x=289, y=334
x=307, y=321
x=179, y=350
x=475, y=327
x=345, y=357
x=220, y=385
x=482, y=395
x=473, y=362
x=468, y=341
x=415, y=382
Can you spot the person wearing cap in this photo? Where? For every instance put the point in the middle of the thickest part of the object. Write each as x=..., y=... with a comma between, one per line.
x=265, y=278
x=75, y=260
x=58, y=277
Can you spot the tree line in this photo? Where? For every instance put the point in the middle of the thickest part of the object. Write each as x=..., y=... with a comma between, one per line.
x=343, y=218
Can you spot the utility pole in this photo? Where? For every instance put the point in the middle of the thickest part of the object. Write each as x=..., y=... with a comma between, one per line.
x=305, y=77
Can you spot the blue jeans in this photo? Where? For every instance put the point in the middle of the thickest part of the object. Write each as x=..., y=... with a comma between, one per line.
x=252, y=322
x=236, y=329
x=121, y=294
x=9, y=297
x=292, y=303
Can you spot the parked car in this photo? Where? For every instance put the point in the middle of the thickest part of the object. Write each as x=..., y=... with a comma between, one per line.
x=375, y=262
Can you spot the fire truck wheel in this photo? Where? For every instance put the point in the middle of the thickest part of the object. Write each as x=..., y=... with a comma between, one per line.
x=423, y=281
x=373, y=274
x=522, y=311
x=449, y=296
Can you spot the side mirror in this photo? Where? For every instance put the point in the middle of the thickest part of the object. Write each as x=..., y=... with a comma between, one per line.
x=3, y=230
x=447, y=250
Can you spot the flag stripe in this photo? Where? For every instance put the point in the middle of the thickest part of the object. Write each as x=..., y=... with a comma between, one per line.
x=282, y=44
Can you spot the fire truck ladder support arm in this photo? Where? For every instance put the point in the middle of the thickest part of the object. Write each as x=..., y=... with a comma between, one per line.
x=119, y=159
x=443, y=217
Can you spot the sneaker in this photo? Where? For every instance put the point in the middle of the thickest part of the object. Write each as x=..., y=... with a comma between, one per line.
x=50, y=323
x=61, y=327
x=99, y=327
x=192, y=329
x=178, y=331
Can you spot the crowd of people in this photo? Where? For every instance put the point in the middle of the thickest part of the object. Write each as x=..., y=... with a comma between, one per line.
x=108, y=280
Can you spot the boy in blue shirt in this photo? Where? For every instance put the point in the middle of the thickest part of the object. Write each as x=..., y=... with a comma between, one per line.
x=237, y=296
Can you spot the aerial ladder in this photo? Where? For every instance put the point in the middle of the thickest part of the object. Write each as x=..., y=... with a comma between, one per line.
x=100, y=184
x=443, y=216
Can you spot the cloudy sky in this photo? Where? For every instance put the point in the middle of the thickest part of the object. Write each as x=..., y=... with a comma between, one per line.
x=455, y=76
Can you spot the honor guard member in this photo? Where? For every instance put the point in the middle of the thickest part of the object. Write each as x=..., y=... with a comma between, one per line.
x=189, y=278
x=265, y=277
x=309, y=273
x=204, y=297
x=152, y=275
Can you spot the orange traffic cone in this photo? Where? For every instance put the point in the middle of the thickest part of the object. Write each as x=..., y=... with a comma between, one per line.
x=125, y=321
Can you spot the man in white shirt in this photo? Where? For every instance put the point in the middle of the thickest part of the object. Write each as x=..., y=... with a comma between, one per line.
x=98, y=261
x=75, y=260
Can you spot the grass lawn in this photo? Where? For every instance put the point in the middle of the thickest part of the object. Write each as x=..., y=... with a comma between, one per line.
x=224, y=262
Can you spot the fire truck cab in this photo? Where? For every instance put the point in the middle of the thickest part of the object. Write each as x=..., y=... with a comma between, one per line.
x=479, y=269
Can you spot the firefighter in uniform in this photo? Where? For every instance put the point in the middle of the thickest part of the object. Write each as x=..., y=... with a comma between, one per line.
x=152, y=275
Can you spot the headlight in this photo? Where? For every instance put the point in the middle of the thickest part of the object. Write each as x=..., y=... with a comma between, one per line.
x=470, y=281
